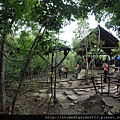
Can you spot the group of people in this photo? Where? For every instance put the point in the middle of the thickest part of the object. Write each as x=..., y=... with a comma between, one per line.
x=105, y=64
x=63, y=72
x=106, y=71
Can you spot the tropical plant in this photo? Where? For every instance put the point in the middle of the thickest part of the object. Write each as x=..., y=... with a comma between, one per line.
x=39, y=16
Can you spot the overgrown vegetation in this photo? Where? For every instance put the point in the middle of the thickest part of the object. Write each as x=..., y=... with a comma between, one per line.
x=28, y=37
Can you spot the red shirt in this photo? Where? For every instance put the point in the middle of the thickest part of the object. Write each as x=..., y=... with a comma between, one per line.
x=105, y=66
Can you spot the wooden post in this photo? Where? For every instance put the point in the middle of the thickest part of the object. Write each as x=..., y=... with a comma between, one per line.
x=55, y=81
x=92, y=78
x=108, y=85
x=52, y=74
x=101, y=85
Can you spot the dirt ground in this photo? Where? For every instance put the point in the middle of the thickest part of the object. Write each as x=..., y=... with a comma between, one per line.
x=92, y=106
x=31, y=106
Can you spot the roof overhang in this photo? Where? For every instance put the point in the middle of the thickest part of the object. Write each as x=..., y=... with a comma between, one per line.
x=110, y=42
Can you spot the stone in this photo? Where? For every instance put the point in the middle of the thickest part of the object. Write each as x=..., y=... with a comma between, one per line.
x=42, y=91
x=109, y=113
x=116, y=96
x=61, y=97
x=83, y=97
x=36, y=94
x=81, y=74
x=87, y=89
x=68, y=92
x=39, y=99
x=79, y=110
x=72, y=97
x=75, y=102
x=114, y=103
x=112, y=91
x=64, y=84
x=78, y=92
x=75, y=84
x=65, y=105
x=72, y=104
x=103, y=91
x=63, y=101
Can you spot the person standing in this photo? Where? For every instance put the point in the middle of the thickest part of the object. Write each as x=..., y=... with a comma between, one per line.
x=60, y=72
x=118, y=60
x=65, y=72
x=77, y=70
x=106, y=70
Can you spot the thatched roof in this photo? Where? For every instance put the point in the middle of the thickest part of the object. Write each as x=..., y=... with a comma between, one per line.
x=111, y=41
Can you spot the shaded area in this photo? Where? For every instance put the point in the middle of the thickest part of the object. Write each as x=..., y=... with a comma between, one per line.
x=111, y=41
x=74, y=98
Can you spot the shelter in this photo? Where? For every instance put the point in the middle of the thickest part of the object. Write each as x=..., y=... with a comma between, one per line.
x=110, y=41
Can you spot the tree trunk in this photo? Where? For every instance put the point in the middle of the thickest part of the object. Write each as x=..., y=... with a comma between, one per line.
x=2, y=75
x=86, y=47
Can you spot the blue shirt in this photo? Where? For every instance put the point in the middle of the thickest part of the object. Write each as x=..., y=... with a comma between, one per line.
x=118, y=58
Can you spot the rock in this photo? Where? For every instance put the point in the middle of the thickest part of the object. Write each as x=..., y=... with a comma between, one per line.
x=64, y=84
x=79, y=92
x=36, y=94
x=87, y=89
x=75, y=84
x=114, y=103
x=68, y=92
x=103, y=91
x=72, y=104
x=75, y=102
x=42, y=91
x=109, y=113
x=73, y=97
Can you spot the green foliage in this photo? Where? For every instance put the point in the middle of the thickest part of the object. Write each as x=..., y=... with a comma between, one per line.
x=116, y=51
x=85, y=37
x=103, y=9
x=21, y=20
x=80, y=33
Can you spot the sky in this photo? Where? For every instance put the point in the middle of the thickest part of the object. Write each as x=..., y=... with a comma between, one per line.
x=68, y=34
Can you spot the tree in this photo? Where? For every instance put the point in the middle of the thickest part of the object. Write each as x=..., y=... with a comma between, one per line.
x=43, y=15
x=11, y=12
x=81, y=32
x=103, y=9
x=86, y=40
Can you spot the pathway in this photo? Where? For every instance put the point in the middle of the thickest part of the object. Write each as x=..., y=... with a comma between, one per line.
x=71, y=91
